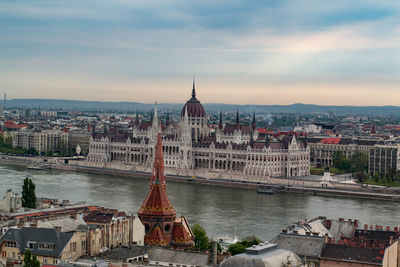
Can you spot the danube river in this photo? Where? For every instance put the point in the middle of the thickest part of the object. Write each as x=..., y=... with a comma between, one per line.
x=218, y=209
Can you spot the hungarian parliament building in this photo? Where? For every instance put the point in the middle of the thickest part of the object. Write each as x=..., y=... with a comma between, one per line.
x=193, y=148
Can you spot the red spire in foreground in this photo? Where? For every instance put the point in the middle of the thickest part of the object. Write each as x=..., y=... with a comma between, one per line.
x=157, y=213
x=158, y=169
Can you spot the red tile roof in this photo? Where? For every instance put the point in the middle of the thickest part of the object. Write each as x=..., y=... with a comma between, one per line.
x=331, y=140
x=13, y=125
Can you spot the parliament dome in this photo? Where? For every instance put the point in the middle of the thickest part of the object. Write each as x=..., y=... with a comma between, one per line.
x=194, y=108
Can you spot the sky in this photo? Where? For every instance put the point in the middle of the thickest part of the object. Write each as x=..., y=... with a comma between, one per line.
x=342, y=52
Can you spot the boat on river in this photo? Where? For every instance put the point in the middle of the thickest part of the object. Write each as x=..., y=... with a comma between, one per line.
x=36, y=167
x=269, y=190
x=266, y=191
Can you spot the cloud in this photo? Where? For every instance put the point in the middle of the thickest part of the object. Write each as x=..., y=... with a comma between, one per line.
x=97, y=44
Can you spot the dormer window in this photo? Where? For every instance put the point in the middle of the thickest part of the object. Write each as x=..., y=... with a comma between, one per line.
x=30, y=245
x=46, y=246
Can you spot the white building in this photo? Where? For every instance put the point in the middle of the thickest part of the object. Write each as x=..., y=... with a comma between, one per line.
x=11, y=202
x=191, y=149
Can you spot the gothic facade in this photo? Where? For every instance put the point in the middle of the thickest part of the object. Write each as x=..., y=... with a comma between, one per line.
x=192, y=148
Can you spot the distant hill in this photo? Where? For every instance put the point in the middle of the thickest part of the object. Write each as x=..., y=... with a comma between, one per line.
x=175, y=107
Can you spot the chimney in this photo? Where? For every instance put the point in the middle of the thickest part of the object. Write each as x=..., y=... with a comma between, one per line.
x=327, y=239
x=214, y=253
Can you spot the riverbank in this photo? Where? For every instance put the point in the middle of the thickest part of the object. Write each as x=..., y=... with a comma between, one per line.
x=296, y=185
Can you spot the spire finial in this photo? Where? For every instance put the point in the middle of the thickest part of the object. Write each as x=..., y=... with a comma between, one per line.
x=237, y=117
x=194, y=89
x=254, y=124
x=220, y=120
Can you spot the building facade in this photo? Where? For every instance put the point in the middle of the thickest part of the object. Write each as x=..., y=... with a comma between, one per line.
x=42, y=141
x=323, y=149
x=79, y=138
x=191, y=148
x=48, y=245
x=384, y=160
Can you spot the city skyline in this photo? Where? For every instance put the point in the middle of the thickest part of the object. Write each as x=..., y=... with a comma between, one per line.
x=280, y=52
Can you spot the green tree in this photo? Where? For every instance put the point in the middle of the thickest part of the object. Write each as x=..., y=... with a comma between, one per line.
x=32, y=151
x=250, y=241
x=200, y=237
x=359, y=161
x=29, y=260
x=336, y=157
x=28, y=194
x=237, y=248
x=8, y=141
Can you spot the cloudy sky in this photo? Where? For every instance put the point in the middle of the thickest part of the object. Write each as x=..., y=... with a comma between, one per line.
x=241, y=51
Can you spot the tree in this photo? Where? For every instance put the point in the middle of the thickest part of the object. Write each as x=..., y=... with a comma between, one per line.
x=376, y=177
x=340, y=161
x=360, y=177
x=8, y=141
x=200, y=237
x=359, y=161
x=237, y=248
x=29, y=260
x=250, y=241
x=336, y=157
x=28, y=194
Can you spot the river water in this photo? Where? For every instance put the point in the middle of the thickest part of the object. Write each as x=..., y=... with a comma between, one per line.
x=218, y=209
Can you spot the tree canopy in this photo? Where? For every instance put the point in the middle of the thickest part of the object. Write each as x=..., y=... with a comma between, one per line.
x=29, y=260
x=28, y=194
x=240, y=247
x=200, y=237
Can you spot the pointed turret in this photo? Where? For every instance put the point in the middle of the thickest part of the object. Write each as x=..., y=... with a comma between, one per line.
x=254, y=124
x=194, y=90
x=137, y=117
x=155, y=116
x=167, y=122
x=305, y=140
x=220, y=125
x=237, y=120
x=158, y=169
x=267, y=141
x=251, y=139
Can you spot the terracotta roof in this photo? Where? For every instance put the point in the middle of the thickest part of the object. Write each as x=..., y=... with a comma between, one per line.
x=13, y=125
x=264, y=131
x=98, y=217
x=156, y=238
x=331, y=140
x=181, y=233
